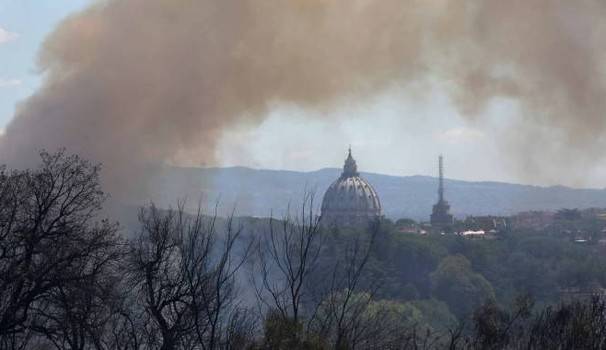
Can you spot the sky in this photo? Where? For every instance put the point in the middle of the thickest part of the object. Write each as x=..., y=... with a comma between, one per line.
x=395, y=131
x=23, y=26
x=381, y=140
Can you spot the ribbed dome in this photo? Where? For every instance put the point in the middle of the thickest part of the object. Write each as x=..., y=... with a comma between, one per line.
x=350, y=200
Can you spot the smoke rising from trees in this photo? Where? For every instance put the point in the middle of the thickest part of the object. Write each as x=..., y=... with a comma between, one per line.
x=135, y=82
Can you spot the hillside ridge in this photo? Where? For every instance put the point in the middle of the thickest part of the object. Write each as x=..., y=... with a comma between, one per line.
x=260, y=192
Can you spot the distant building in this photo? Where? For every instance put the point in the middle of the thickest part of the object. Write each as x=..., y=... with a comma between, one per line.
x=473, y=234
x=440, y=216
x=533, y=220
x=487, y=223
x=593, y=214
x=350, y=200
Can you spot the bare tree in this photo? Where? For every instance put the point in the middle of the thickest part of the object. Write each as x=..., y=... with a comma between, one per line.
x=287, y=256
x=77, y=315
x=185, y=279
x=342, y=309
x=125, y=327
x=49, y=244
x=316, y=296
x=210, y=279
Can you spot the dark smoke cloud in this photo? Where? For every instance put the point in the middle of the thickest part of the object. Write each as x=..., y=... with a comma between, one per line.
x=135, y=82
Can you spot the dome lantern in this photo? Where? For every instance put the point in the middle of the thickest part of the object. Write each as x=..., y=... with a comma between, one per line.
x=350, y=169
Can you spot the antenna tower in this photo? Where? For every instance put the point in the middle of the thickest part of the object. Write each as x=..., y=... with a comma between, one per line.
x=441, y=187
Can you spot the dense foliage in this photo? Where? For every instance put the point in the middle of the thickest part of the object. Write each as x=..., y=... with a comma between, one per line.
x=548, y=265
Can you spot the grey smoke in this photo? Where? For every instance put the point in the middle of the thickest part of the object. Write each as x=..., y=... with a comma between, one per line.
x=137, y=82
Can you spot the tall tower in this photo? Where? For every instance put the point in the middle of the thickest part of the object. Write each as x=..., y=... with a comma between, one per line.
x=441, y=185
x=440, y=216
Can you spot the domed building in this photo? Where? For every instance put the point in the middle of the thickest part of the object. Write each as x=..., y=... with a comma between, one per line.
x=350, y=200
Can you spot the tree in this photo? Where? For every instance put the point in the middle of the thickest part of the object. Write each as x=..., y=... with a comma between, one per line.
x=342, y=315
x=459, y=286
x=51, y=248
x=496, y=328
x=186, y=280
x=313, y=284
x=577, y=325
x=287, y=256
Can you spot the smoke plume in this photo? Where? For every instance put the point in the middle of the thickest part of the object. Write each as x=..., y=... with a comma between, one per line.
x=135, y=82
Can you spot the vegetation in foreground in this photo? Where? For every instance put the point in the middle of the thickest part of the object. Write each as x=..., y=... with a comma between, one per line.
x=69, y=280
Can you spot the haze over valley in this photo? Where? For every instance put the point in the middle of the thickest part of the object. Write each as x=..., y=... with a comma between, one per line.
x=302, y=174
x=258, y=192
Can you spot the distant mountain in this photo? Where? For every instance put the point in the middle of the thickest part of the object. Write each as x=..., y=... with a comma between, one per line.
x=257, y=192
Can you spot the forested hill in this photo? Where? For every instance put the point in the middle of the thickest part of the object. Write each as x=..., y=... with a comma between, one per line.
x=257, y=192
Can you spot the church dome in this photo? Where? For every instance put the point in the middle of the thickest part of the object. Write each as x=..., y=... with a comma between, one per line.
x=350, y=200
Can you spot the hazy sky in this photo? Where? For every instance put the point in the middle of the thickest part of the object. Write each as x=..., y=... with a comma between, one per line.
x=382, y=141
x=396, y=131
x=23, y=26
